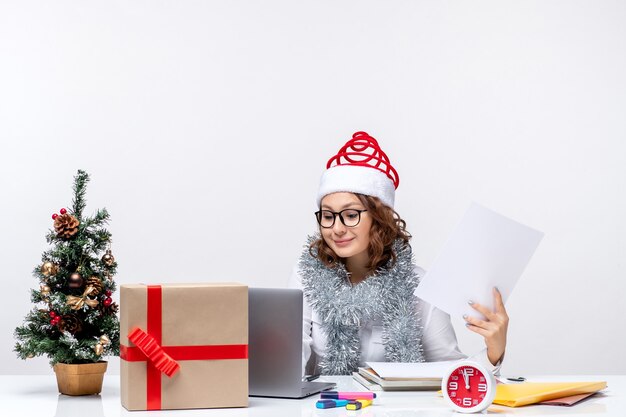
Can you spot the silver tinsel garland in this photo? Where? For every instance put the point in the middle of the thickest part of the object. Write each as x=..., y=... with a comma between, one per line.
x=388, y=294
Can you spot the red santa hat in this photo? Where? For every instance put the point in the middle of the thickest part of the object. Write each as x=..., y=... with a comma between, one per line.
x=360, y=167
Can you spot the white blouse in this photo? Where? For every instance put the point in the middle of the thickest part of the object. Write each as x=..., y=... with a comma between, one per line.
x=438, y=337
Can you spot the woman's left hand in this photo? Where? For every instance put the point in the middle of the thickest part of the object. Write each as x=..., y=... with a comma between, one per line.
x=493, y=328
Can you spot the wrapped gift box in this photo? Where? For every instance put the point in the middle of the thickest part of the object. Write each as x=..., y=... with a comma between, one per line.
x=197, y=333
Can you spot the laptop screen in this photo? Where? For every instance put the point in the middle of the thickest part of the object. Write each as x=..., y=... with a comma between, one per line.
x=275, y=341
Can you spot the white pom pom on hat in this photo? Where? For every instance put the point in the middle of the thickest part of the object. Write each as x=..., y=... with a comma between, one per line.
x=360, y=167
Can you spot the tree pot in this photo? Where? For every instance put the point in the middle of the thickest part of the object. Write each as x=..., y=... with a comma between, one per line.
x=80, y=379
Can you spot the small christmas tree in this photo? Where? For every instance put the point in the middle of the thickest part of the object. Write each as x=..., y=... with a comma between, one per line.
x=74, y=320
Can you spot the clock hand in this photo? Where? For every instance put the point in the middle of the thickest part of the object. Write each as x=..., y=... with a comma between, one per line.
x=466, y=378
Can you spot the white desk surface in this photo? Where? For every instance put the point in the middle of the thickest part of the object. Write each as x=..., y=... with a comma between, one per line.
x=30, y=395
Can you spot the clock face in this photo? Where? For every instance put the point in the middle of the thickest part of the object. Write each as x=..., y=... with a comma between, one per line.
x=468, y=388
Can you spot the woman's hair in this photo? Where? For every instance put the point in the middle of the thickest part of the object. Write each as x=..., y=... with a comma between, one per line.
x=387, y=227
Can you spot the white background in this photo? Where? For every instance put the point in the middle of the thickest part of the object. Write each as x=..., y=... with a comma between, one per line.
x=205, y=126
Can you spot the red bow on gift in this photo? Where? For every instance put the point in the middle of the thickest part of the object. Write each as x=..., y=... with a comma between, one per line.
x=154, y=352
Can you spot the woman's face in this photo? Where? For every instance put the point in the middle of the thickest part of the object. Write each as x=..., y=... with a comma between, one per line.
x=345, y=241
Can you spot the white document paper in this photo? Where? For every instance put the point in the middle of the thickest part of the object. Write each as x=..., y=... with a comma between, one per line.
x=411, y=370
x=486, y=250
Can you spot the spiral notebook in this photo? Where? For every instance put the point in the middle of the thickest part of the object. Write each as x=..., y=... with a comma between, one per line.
x=374, y=382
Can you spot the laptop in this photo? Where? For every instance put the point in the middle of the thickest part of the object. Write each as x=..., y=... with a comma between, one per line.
x=275, y=345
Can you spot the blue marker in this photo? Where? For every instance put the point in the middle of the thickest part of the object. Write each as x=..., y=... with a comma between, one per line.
x=329, y=403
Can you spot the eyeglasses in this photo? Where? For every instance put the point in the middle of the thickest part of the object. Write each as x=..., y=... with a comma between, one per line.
x=349, y=217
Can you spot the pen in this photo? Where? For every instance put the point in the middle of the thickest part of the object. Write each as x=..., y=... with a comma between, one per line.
x=329, y=403
x=310, y=378
x=358, y=404
x=340, y=395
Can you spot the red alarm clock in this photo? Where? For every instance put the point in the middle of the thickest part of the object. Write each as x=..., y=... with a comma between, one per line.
x=468, y=387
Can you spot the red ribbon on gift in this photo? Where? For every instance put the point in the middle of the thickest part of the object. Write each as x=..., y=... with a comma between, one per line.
x=163, y=359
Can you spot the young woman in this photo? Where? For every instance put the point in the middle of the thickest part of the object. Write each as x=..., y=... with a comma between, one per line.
x=358, y=277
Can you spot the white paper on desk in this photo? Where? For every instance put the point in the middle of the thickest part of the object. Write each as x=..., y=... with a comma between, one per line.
x=486, y=250
x=411, y=370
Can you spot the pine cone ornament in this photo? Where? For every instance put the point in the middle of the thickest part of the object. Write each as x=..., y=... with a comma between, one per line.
x=66, y=225
x=70, y=323
x=96, y=283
